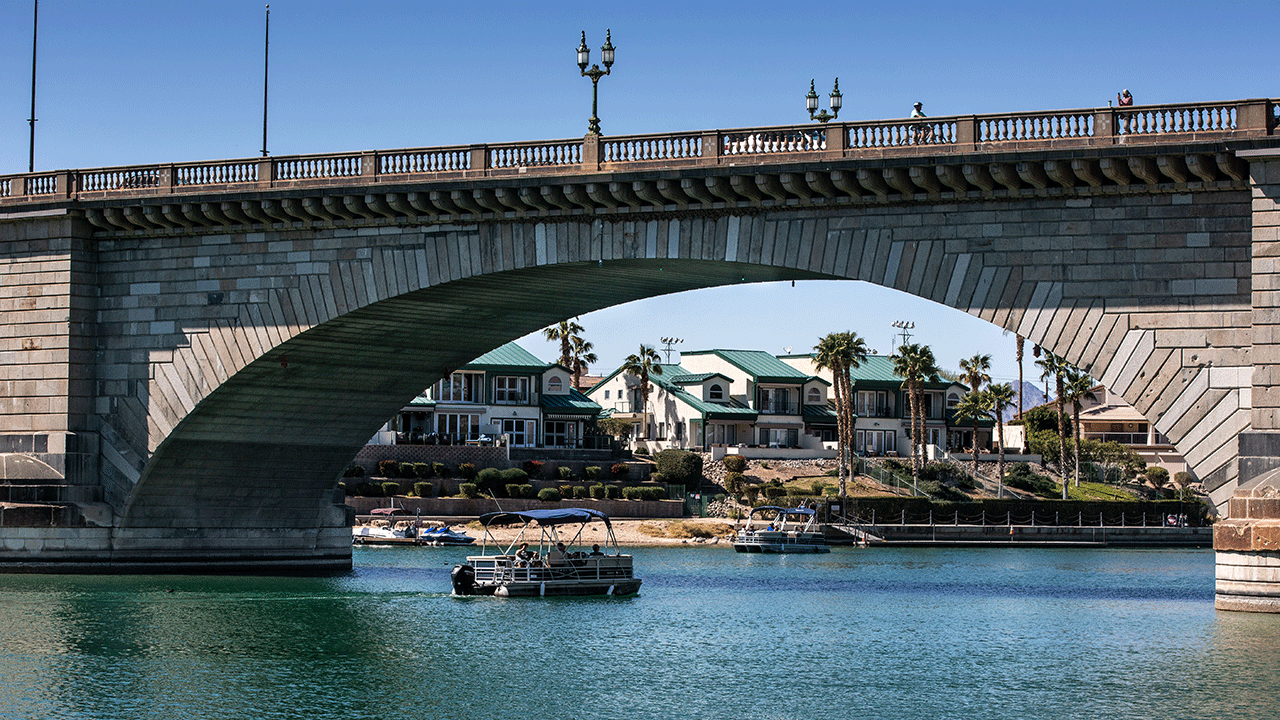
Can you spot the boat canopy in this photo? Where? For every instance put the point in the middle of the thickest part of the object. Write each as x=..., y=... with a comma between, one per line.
x=798, y=510
x=558, y=516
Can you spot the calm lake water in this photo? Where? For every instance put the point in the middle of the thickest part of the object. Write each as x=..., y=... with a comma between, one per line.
x=874, y=633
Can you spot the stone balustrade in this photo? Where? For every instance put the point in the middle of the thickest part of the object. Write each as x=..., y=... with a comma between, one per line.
x=899, y=138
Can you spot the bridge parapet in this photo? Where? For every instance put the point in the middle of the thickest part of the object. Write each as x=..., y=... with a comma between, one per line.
x=898, y=138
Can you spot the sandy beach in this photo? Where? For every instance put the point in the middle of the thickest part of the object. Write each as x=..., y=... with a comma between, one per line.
x=630, y=533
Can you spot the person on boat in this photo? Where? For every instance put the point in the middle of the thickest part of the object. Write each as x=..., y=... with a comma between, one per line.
x=595, y=551
x=557, y=555
x=524, y=554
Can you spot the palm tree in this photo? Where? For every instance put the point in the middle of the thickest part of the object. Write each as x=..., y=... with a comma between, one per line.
x=973, y=372
x=839, y=353
x=583, y=356
x=643, y=364
x=1001, y=397
x=1053, y=366
x=1077, y=388
x=1021, y=342
x=915, y=364
x=974, y=404
x=564, y=332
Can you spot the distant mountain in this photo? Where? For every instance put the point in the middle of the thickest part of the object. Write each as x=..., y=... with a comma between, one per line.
x=1031, y=397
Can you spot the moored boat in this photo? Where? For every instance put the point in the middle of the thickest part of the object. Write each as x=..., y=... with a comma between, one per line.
x=786, y=530
x=559, y=563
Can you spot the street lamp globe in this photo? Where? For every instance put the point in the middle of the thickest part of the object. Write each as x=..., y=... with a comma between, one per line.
x=584, y=53
x=606, y=51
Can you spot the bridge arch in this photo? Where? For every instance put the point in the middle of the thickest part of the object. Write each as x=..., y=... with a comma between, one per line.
x=257, y=412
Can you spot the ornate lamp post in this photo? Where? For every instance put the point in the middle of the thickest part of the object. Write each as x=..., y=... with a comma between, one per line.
x=811, y=101
x=595, y=73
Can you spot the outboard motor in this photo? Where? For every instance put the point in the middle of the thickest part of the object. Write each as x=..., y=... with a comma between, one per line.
x=464, y=580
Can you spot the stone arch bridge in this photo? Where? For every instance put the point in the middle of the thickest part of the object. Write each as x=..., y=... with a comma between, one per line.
x=198, y=349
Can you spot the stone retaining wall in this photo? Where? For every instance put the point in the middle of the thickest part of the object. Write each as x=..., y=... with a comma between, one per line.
x=463, y=507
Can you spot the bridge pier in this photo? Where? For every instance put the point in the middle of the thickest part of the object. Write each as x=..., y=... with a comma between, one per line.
x=1248, y=550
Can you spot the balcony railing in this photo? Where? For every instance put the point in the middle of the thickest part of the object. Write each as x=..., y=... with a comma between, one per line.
x=774, y=407
x=938, y=136
x=1127, y=438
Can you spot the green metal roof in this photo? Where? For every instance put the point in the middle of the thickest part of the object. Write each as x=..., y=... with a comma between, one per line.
x=729, y=409
x=879, y=369
x=508, y=357
x=575, y=402
x=760, y=365
x=700, y=377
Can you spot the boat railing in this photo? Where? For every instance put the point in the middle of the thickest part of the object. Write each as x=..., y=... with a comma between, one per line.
x=508, y=568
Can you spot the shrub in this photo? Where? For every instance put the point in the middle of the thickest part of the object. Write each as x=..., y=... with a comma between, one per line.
x=620, y=470
x=439, y=469
x=345, y=490
x=390, y=489
x=515, y=475
x=389, y=468
x=734, y=481
x=549, y=495
x=752, y=492
x=581, y=492
x=423, y=489
x=512, y=490
x=368, y=490
x=469, y=490
x=597, y=492
x=652, y=493
x=566, y=491
x=421, y=470
x=527, y=491
x=565, y=472
x=407, y=470
x=467, y=470
x=612, y=492
x=895, y=465
x=735, y=463
x=680, y=467
x=657, y=477
x=357, y=471
x=774, y=491
x=1158, y=476
x=938, y=491
x=533, y=468
x=592, y=473
x=1023, y=478
x=642, y=450
x=630, y=493
x=489, y=480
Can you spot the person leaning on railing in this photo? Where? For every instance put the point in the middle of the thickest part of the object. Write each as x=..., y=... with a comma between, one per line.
x=921, y=132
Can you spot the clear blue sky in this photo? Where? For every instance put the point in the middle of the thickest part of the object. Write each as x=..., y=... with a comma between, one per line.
x=124, y=83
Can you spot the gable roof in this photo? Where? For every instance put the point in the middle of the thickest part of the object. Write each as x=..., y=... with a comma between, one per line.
x=509, y=357
x=879, y=369
x=574, y=403
x=760, y=365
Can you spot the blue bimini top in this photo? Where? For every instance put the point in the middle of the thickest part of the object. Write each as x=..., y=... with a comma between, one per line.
x=558, y=516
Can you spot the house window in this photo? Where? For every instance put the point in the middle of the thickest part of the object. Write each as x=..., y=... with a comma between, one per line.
x=662, y=431
x=776, y=401
x=952, y=400
x=511, y=391
x=872, y=403
x=715, y=392
x=815, y=396
x=606, y=394
x=522, y=432
x=460, y=387
x=721, y=434
x=780, y=437
x=457, y=427
x=561, y=433
x=555, y=385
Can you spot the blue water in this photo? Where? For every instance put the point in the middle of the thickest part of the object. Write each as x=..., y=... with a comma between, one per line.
x=875, y=633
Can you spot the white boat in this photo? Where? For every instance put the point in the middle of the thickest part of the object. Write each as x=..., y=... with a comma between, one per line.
x=559, y=564
x=785, y=530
